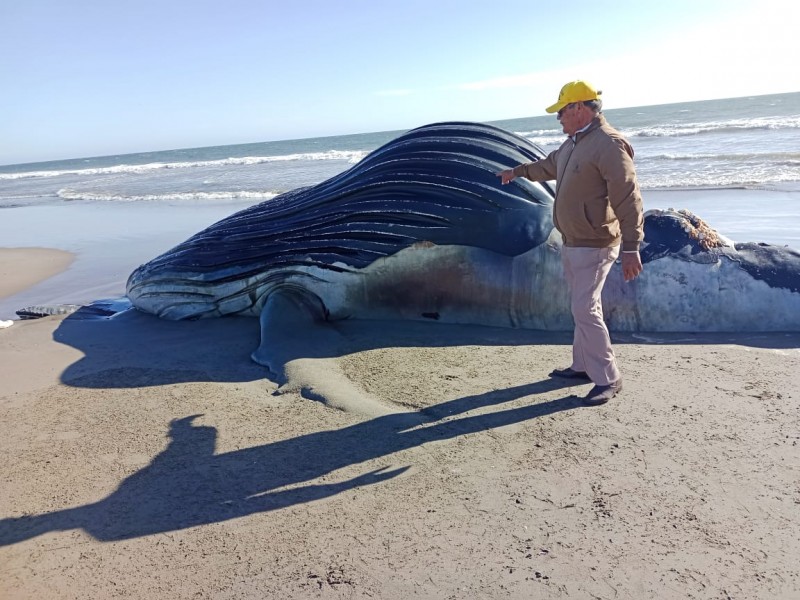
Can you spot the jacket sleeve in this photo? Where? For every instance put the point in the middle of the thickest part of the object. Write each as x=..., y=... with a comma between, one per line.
x=616, y=167
x=541, y=170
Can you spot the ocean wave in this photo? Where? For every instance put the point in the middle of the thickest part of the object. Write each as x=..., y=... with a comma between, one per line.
x=350, y=156
x=732, y=125
x=775, y=159
x=73, y=195
x=551, y=136
x=556, y=138
x=650, y=181
x=540, y=133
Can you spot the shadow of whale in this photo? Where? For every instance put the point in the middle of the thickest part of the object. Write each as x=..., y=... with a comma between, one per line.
x=116, y=350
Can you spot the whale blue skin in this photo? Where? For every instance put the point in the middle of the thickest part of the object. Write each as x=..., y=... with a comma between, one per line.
x=422, y=229
x=694, y=281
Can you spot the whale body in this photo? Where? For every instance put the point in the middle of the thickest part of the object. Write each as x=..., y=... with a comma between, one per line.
x=422, y=229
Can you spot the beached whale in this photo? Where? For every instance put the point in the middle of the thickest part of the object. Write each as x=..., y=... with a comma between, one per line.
x=422, y=229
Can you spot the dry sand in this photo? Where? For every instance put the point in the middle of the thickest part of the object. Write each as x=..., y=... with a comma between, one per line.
x=152, y=459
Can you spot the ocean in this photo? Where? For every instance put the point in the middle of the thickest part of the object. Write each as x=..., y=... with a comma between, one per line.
x=733, y=162
x=738, y=142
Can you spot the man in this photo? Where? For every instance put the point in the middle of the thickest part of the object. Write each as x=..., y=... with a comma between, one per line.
x=597, y=208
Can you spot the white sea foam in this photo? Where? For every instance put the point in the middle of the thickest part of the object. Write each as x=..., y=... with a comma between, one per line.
x=732, y=125
x=350, y=156
x=539, y=133
x=67, y=194
x=552, y=137
x=545, y=137
x=778, y=158
x=717, y=179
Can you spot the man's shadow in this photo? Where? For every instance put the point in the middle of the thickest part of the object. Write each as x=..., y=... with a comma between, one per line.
x=188, y=484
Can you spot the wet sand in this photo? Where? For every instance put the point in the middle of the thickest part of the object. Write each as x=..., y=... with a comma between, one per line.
x=22, y=268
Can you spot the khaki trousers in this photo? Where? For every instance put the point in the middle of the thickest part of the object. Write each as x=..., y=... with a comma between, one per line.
x=586, y=270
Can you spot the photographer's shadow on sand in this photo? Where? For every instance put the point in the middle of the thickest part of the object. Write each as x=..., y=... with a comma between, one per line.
x=188, y=484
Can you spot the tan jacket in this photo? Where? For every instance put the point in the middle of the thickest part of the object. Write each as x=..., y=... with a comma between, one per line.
x=598, y=202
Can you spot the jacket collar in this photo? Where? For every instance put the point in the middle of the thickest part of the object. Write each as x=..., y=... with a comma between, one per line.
x=595, y=123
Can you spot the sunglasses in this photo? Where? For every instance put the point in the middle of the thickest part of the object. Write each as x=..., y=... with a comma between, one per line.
x=561, y=112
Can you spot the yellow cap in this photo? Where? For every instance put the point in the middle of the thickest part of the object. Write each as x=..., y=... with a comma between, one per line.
x=574, y=91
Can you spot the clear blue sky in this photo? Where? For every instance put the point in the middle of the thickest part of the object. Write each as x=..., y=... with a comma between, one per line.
x=87, y=78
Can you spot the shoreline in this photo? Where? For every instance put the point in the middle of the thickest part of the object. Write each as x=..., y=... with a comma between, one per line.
x=39, y=264
x=110, y=240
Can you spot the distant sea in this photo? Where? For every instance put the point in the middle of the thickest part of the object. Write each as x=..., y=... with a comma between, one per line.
x=749, y=143
x=734, y=163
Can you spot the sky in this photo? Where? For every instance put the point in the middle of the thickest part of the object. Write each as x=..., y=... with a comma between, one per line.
x=97, y=77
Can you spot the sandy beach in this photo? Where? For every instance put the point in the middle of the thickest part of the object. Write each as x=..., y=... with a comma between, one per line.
x=145, y=458
x=339, y=168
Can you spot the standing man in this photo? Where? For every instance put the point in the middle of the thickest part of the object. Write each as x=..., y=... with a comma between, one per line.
x=597, y=208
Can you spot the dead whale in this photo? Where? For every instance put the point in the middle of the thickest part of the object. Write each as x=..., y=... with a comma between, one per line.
x=422, y=229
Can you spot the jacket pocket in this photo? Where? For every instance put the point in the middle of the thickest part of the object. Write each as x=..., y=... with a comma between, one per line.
x=601, y=221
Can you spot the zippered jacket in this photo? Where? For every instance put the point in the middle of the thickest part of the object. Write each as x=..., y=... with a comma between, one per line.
x=598, y=203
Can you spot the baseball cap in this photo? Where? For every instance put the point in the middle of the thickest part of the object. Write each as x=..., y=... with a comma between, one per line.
x=574, y=91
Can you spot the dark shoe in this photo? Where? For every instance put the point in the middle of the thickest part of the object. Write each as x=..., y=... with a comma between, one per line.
x=570, y=373
x=600, y=394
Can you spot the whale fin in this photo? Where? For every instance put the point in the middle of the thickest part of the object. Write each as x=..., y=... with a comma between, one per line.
x=289, y=315
x=680, y=233
x=300, y=348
